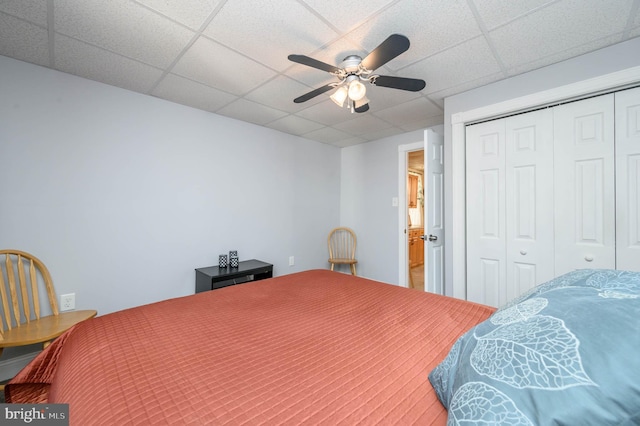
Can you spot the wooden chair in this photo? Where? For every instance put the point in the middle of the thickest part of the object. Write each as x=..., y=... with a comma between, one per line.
x=342, y=248
x=21, y=322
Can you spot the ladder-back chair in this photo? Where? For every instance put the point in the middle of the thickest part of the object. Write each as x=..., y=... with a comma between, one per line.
x=342, y=248
x=22, y=321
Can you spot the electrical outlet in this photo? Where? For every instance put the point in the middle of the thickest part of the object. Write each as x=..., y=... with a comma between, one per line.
x=67, y=302
x=291, y=261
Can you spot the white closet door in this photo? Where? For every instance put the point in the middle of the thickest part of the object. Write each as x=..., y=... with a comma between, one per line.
x=529, y=201
x=628, y=179
x=486, y=226
x=584, y=184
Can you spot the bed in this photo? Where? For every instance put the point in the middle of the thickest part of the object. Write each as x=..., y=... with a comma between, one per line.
x=315, y=347
x=321, y=347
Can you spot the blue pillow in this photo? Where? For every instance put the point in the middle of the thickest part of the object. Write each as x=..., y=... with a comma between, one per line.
x=567, y=352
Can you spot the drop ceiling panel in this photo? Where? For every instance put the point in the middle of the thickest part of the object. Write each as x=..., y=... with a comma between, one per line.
x=349, y=14
x=34, y=11
x=188, y=92
x=270, y=30
x=363, y=121
x=328, y=135
x=409, y=112
x=280, y=92
x=498, y=12
x=295, y=125
x=122, y=27
x=465, y=62
x=430, y=26
x=257, y=113
x=326, y=112
x=230, y=56
x=192, y=13
x=75, y=57
x=202, y=63
x=24, y=41
x=567, y=24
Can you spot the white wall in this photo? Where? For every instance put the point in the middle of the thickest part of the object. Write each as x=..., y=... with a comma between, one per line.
x=369, y=182
x=122, y=195
x=614, y=58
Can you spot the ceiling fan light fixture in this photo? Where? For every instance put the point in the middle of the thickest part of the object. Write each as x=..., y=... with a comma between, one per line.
x=357, y=90
x=339, y=96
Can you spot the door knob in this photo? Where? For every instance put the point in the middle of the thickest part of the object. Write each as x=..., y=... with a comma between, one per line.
x=430, y=237
x=588, y=258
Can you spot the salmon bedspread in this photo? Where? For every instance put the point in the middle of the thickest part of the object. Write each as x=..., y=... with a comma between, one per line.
x=314, y=347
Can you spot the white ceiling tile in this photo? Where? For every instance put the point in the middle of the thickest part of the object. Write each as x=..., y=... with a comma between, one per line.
x=363, y=123
x=497, y=12
x=409, y=112
x=187, y=92
x=327, y=135
x=123, y=27
x=191, y=13
x=384, y=133
x=464, y=86
x=24, y=41
x=560, y=56
x=280, y=92
x=350, y=142
x=235, y=74
x=34, y=11
x=243, y=109
x=465, y=62
x=430, y=26
x=349, y=14
x=270, y=30
x=75, y=57
x=422, y=123
x=567, y=24
x=294, y=125
x=326, y=112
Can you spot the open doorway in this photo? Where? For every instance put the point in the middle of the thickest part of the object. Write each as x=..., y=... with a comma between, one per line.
x=415, y=218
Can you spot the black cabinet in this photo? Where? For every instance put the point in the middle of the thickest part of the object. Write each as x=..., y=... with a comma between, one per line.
x=213, y=277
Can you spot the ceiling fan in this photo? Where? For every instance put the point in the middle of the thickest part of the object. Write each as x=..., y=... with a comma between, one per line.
x=354, y=70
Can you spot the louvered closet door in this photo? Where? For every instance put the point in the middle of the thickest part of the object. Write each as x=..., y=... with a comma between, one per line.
x=584, y=184
x=509, y=206
x=628, y=179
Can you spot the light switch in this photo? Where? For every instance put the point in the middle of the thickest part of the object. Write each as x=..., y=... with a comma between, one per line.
x=394, y=202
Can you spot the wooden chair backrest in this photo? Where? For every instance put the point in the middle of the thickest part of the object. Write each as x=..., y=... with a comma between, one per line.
x=21, y=298
x=342, y=243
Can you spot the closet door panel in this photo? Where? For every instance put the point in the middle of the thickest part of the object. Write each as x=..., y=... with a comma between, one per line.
x=486, y=236
x=628, y=179
x=529, y=205
x=584, y=184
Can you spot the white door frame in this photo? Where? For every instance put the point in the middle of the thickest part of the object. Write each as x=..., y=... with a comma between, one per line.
x=457, y=282
x=403, y=258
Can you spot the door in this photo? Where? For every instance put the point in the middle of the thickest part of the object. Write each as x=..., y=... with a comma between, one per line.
x=509, y=206
x=584, y=185
x=434, y=212
x=628, y=179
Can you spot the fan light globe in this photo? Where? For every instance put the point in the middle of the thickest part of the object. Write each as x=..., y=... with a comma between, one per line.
x=357, y=90
x=339, y=96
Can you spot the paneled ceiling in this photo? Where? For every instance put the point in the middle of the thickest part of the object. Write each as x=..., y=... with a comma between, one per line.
x=229, y=57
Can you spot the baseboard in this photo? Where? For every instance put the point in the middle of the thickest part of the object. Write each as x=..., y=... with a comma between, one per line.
x=12, y=366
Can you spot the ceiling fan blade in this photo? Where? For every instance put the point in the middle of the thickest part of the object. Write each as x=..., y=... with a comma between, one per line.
x=363, y=108
x=393, y=46
x=403, y=83
x=312, y=94
x=314, y=63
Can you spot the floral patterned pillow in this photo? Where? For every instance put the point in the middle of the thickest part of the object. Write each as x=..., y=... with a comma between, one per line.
x=567, y=352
